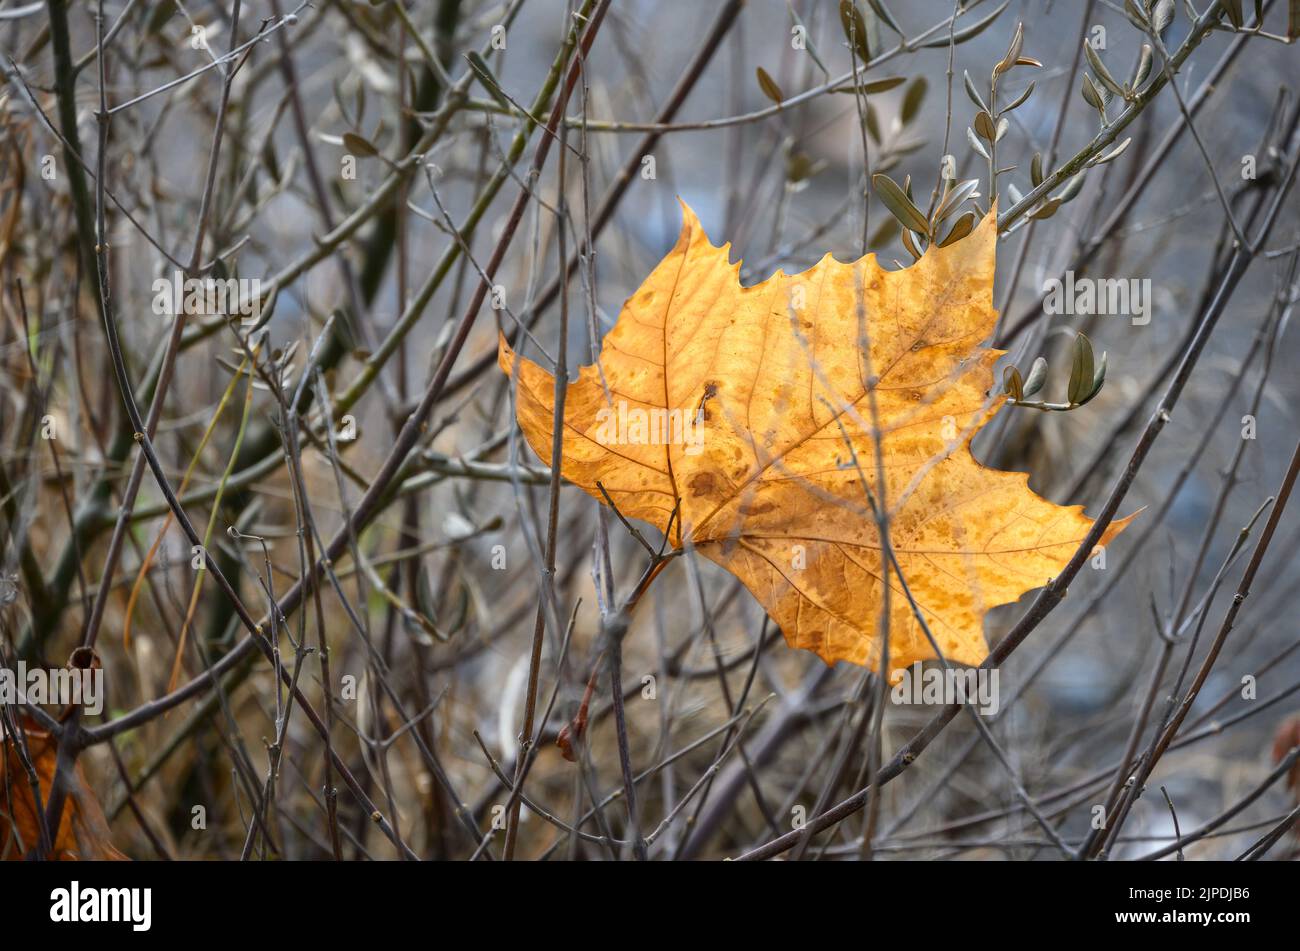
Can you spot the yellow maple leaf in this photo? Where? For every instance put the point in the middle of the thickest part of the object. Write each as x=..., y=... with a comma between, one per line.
x=748, y=410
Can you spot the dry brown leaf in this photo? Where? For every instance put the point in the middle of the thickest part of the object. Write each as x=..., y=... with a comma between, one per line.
x=1287, y=736
x=83, y=830
x=775, y=493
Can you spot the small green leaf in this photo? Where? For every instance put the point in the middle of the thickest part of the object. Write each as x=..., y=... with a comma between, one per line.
x=874, y=86
x=1143, y=69
x=873, y=124
x=969, y=32
x=1137, y=15
x=1037, y=377
x=953, y=199
x=489, y=82
x=910, y=243
x=973, y=94
x=1012, y=384
x=769, y=86
x=1013, y=52
x=962, y=227
x=912, y=99
x=1018, y=101
x=1114, y=153
x=886, y=17
x=1099, y=377
x=899, y=205
x=359, y=146
x=812, y=47
x=800, y=167
x=1082, y=375
x=1163, y=15
x=1046, y=209
x=1100, y=69
x=1092, y=96
x=1071, y=189
x=855, y=29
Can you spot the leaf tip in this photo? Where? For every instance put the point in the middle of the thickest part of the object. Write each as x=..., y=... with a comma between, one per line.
x=1118, y=525
x=689, y=218
x=505, y=354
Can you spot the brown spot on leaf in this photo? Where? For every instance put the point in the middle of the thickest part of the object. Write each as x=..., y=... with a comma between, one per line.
x=703, y=484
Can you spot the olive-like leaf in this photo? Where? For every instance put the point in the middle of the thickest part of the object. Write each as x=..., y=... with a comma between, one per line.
x=874, y=86
x=1100, y=69
x=1082, y=374
x=1037, y=377
x=1046, y=209
x=855, y=29
x=1163, y=14
x=489, y=81
x=961, y=227
x=1143, y=69
x=811, y=46
x=969, y=32
x=912, y=99
x=358, y=145
x=1018, y=101
x=972, y=93
x=1071, y=189
x=887, y=18
x=899, y=205
x=1012, y=384
x=910, y=243
x=873, y=124
x=1098, y=377
x=952, y=201
x=1091, y=95
x=1137, y=15
x=1114, y=153
x=1013, y=51
x=769, y=86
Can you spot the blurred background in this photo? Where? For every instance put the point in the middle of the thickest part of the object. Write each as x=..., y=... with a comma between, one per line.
x=312, y=192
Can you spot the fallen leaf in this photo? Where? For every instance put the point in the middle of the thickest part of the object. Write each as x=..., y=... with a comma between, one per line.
x=1286, y=737
x=772, y=487
x=83, y=830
